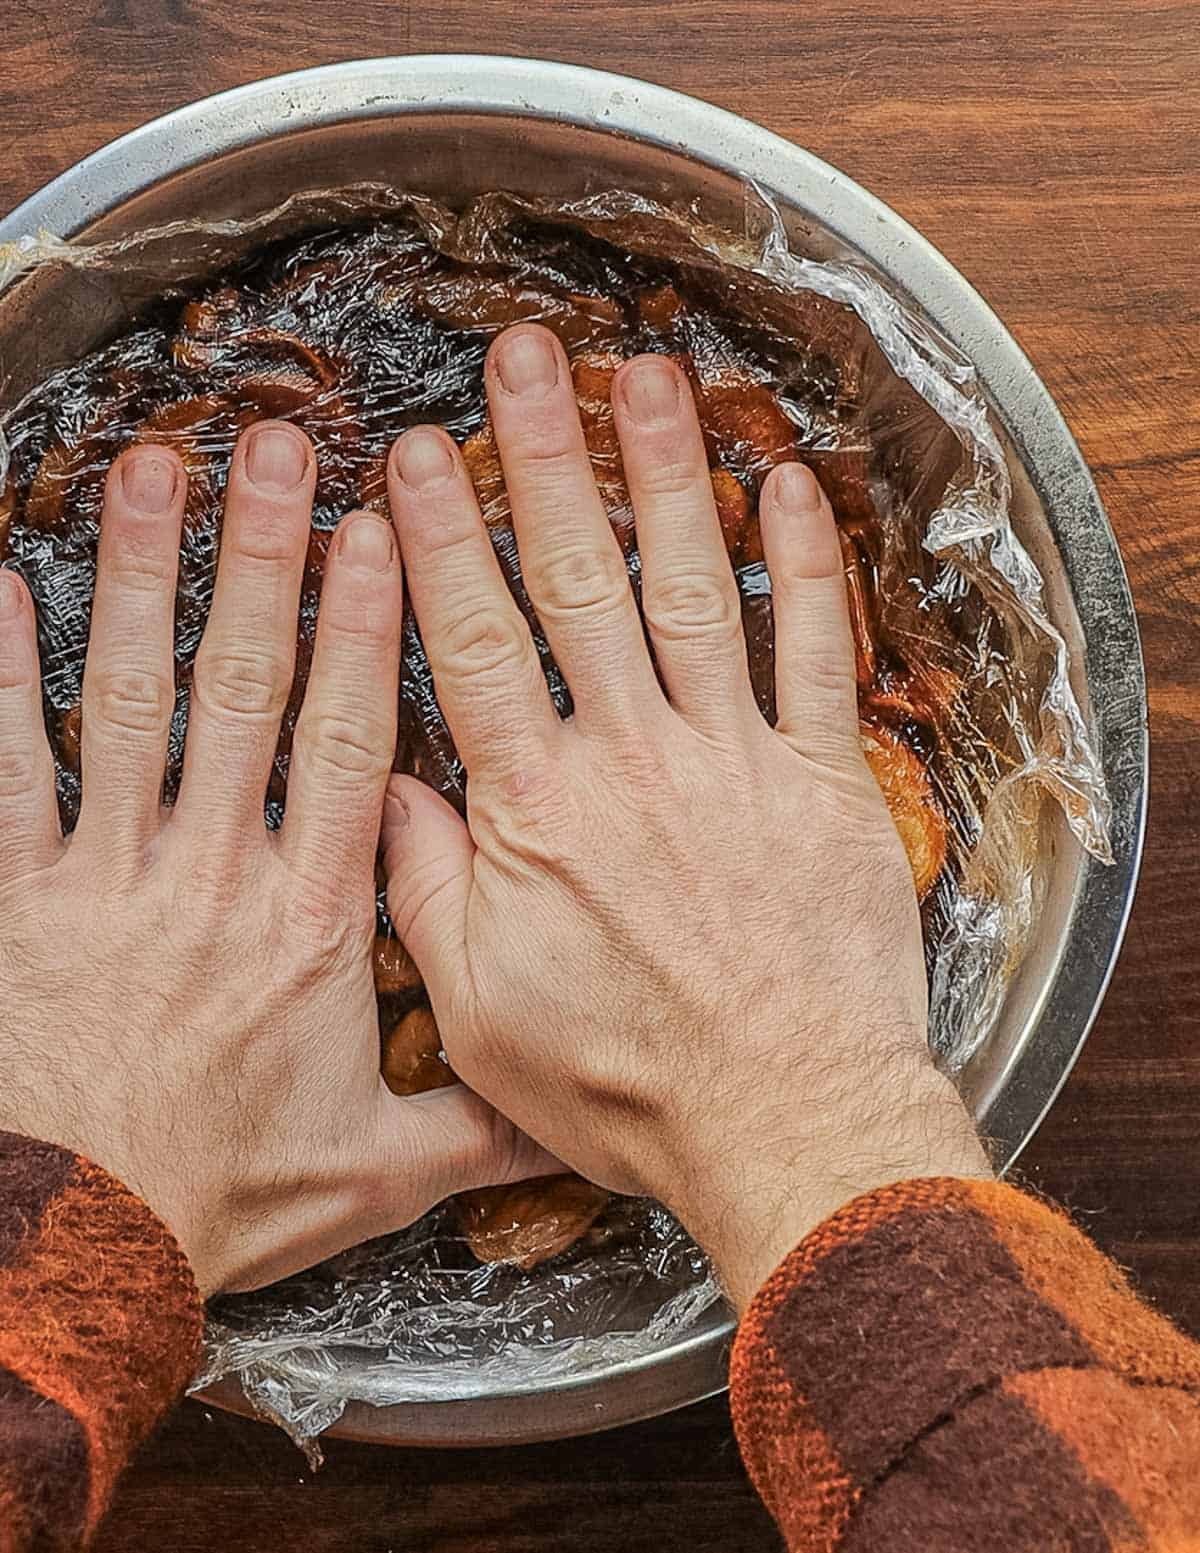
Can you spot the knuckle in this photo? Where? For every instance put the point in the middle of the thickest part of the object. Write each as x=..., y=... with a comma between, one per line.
x=829, y=676
x=678, y=485
x=580, y=578
x=643, y=763
x=18, y=772
x=829, y=746
x=323, y=919
x=486, y=641
x=536, y=793
x=14, y=676
x=133, y=700
x=242, y=682
x=203, y=892
x=266, y=547
x=548, y=455
x=692, y=604
x=271, y=528
x=357, y=624
x=144, y=571
x=452, y=534
x=344, y=747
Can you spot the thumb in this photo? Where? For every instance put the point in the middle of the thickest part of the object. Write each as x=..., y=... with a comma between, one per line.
x=427, y=855
x=451, y=1140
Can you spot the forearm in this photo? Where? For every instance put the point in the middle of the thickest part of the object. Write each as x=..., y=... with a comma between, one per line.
x=950, y=1364
x=100, y=1327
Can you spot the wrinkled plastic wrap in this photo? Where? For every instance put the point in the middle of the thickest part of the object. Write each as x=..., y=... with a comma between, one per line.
x=362, y=311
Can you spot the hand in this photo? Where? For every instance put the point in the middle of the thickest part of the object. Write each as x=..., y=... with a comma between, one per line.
x=185, y=998
x=677, y=946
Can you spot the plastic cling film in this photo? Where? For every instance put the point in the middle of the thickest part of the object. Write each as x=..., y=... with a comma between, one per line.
x=417, y=1321
x=360, y=311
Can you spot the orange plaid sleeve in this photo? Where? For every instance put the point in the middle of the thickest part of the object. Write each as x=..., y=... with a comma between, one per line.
x=100, y=1326
x=950, y=1365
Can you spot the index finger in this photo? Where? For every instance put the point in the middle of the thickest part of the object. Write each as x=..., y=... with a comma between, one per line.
x=815, y=686
x=346, y=735
x=486, y=671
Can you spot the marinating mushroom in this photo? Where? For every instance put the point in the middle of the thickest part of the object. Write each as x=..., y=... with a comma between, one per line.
x=8, y=505
x=915, y=811
x=862, y=625
x=372, y=486
x=739, y=523
x=411, y=1062
x=70, y=733
x=290, y=351
x=531, y=1221
x=65, y=468
x=482, y=459
x=395, y=969
x=660, y=308
x=926, y=693
x=202, y=322
x=745, y=429
x=467, y=299
x=592, y=375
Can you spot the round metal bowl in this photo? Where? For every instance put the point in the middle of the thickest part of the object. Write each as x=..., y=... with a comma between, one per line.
x=457, y=125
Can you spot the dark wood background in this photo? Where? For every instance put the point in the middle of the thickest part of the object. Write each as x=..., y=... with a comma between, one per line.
x=1052, y=152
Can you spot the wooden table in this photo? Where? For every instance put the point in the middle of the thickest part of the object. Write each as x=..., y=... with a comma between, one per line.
x=1052, y=152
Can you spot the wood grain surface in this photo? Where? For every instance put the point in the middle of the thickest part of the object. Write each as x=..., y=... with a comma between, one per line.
x=1052, y=152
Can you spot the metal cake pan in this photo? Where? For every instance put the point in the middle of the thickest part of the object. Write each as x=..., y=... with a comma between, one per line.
x=456, y=125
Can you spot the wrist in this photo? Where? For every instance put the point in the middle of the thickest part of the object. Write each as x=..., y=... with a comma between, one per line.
x=749, y=1193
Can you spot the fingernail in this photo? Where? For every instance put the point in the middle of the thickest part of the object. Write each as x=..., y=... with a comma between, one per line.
x=650, y=390
x=10, y=596
x=526, y=363
x=423, y=458
x=148, y=479
x=368, y=542
x=796, y=487
x=276, y=459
